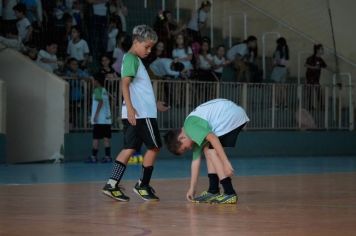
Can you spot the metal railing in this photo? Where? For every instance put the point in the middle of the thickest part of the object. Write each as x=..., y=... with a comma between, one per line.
x=269, y=106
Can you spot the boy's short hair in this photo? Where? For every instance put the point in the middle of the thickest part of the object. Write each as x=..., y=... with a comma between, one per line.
x=177, y=66
x=172, y=142
x=20, y=7
x=143, y=33
x=100, y=77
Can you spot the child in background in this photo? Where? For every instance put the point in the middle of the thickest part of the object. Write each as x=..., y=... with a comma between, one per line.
x=113, y=31
x=23, y=25
x=183, y=53
x=139, y=114
x=106, y=69
x=205, y=62
x=100, y=119
x=119, y=52
x=220, y=61
x=209, y=128
x=47, y=59
x=78, y=48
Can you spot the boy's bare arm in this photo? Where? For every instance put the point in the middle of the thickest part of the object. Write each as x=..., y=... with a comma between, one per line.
x=195, y=167
x=131, y=112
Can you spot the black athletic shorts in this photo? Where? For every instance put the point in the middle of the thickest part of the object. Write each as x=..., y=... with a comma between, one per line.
x=101, y=131
x=229, y=139
x=145, y=131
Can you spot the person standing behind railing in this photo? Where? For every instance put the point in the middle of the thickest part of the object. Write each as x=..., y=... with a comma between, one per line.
x=279, y=71
x=314, y=64
x=198, y=21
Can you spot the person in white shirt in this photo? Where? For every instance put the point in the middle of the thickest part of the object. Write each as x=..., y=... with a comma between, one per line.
x=78, y=48
x=166, y=67
x=12, y=40
x=47, y=59
x=23, y=24
x=220, y=61
x=205, y=62
x=112, y=34
x=183, y=53
x=198, y=21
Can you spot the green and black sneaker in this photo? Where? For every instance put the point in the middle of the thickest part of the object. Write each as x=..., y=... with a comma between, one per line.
x=225, y=199
x=115, y=193
x=147, y=193
x=205, y=197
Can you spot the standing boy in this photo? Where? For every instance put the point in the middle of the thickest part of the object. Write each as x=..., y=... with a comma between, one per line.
x=139, y=113
x=209, y=128
x=100, y=119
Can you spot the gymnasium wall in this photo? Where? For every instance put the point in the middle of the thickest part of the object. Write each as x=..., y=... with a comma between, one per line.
x=249, y=144
x=2, y=120
x=37, y=109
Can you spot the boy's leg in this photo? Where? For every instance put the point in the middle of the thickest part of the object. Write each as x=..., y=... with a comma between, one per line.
x=229, y=195
x=107, y=146
x=151, y=138
x=111, y=188
x=213, y=190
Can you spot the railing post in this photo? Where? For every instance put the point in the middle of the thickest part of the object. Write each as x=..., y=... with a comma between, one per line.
x=244, y=96
x=187, y=98
x=273, y=104
x=300, y=101
x=326, y=115
x=177, y=10
x=217, y=89
x=351, y=106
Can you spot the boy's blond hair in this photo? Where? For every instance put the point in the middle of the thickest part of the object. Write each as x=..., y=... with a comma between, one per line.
x=143, y=33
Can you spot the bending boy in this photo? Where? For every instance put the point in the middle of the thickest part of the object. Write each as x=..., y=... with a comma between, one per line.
x=209, y=128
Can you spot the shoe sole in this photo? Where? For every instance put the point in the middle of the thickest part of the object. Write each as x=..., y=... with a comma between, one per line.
x=107, y=193
x=145, y=199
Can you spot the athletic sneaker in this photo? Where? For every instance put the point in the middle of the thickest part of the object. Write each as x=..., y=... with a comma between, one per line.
x=132, y=160
x=205, y=197
x=91, y=159
x=147, y=193
x=225, y=199
x=115, y=193
x=106, y=160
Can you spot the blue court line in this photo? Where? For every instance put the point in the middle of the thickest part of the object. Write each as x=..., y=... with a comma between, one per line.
x=172, y=168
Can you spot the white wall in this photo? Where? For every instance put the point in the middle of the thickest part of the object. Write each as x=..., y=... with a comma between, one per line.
x=2, y=107
x=37, y=110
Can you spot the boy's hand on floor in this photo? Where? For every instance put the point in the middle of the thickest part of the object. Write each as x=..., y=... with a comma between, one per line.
x=190, y=194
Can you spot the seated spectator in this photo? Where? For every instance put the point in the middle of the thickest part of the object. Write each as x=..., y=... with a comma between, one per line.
x=244, y=60
x=205, y=62
x=183, y=53
x=158, y=51
x=166, y=68
x=47, y=58
x=23, y=25
x=74, y=72
x=12, y=40
x=78, y=48
x=220, y=61
x=105, y=67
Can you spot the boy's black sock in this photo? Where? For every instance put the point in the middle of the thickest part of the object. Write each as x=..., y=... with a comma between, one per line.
x=146, y=175
x=117, y=173
x=227, y=185
x=94, y=152
x=213, y=183
x=108, y=151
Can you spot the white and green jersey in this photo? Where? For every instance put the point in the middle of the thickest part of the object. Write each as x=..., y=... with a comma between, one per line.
x=104, y=117
x=219, y=116
x=141, y=91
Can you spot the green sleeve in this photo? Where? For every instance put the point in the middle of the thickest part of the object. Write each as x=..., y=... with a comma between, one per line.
x=130, y=65
x=98, y=95
x=197, y=129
